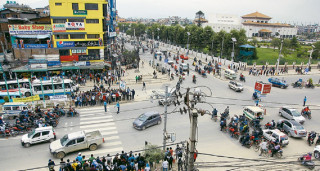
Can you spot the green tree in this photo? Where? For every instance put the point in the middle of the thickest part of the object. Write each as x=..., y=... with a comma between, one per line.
x=254, y=42
x=276, y=42
x=294, y=43
x=316, y=50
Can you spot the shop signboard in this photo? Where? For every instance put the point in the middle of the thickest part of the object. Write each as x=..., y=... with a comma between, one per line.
x=69, y=58
x=75, y=26
x=80, y=63
x=59, y=98
x=36, y=46
x=79, y=51
x=59, y=27
x=54, y=63
x=30, y=29
x=86, y=43
x=62, y=44
x=112, y=34
x=38, y=66
x=79, y=12
x=37, y=61
x=88, y=57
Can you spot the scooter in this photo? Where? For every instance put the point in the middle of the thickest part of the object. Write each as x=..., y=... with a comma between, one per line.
x=309, y=164
x=306, y=114
x=311, y=136
x=243, y=79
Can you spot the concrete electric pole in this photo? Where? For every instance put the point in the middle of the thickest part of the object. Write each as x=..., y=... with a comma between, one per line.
x=193, y=130
x=165, y=119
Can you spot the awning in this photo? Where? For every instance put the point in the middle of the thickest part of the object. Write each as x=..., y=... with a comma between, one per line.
x=265, y=31
x=92, y=67
x=247, y=46
x=33, y=36
x=69, y=67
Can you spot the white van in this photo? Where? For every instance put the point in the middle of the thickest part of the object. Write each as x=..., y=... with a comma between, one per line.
x=38, y=135
x=13, y=109
x=184, y=67
x=230, y=74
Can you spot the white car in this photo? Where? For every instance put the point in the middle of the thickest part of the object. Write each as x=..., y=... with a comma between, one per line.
x=275, y=134
x=38, y=135
x=291, y=113
x=235, y=86
x=316, y=152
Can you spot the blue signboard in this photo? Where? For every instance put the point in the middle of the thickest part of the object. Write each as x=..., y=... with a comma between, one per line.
x=35, y=46
x=88, y=63
x=61, y=44
x=54, y=63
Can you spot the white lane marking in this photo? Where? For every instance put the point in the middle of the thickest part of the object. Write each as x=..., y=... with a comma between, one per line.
x=97, y=121
x=102, y=129
x=97, y=117
x=97, y=125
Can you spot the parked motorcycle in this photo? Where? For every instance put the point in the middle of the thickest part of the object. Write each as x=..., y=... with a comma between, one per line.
x=311, y=136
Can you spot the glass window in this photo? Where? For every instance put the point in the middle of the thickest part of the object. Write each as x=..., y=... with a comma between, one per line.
x=67, y=85
x=92, y=20
x=71, y=142
x=75, y=6
x=61, y=36
x=64, y=52
x=93, y=52
x=36, y=135
x=58, y=86
x=45, y=133
x=59, y=20
x=93, y=36
x=58, y=4
x=15, y=108
x=76, y=20
x=80, y=140
x=90, y=6
x=7, y=108
x=77, y=36
x=37, y=88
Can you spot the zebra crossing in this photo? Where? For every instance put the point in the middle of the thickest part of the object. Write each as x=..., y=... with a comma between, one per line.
x=97, y=119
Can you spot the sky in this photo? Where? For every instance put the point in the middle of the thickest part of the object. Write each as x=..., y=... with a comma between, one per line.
x=289, y=11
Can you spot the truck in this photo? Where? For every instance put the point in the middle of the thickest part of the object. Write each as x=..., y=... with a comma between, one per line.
x=76, y=141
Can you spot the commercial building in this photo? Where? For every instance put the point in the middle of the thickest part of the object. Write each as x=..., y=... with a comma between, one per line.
x=79, y=31
x=224, y=22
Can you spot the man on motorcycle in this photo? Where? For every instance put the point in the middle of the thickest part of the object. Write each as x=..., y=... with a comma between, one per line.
x=273, y=124
x=1, y=121
x=275, y=149
x=226, y=111
x=223, y=123
x=307, y=158
x=245, y=139
x=306, y=111
x=214, y=113
x=255, y=95
x=311, y=136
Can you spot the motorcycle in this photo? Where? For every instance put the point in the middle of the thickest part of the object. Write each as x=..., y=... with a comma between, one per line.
x=269, y=126
x=70, y=114
x=233, y=133
x=318, y=141
x=309, y=164
x=311, y=136
x=204, y=75
x=310, y=86
x=297, y=84
x=306, y=114
x=243, y=79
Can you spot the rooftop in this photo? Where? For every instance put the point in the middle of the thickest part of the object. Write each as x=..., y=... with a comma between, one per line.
x=266, y=24
x=256, y=15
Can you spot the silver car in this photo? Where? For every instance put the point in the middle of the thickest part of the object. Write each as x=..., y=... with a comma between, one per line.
x=290, y=113
x=292, y=128
x=235, y=86
x=146, y=120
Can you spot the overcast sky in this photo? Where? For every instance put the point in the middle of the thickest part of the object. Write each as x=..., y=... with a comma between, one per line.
x=305, y=11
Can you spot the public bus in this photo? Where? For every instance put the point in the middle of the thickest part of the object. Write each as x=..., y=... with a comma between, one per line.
x=13, y=86
x=53, y=87
x=12, y=94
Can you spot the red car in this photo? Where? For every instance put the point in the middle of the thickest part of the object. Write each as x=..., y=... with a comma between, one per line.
x=184, y=57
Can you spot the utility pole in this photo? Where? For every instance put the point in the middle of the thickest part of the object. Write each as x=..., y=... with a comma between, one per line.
x=193, y=130
x=221, y=49
x=153, y=49
x=278, y=62
x=309, y=63
x=165, y=120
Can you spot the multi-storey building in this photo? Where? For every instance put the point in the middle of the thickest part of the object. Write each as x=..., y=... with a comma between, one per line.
x=79, y=30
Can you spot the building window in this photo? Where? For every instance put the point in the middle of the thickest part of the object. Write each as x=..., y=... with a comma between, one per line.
x=75, y=6
x=93, y=36
x=91, y=6
x=58, y=4
x=61, y=36
x=59, y=20
x=92, y=20
x=3, y=16
x=64, y=52
x=94, y=52
x=14, y=16
x=76, y=20
x=77, y=36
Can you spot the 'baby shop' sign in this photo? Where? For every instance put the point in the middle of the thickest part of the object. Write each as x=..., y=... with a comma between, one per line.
x=30, y=29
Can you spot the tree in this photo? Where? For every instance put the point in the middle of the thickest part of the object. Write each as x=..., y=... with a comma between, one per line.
x=316, y=50
x=254, y=42
x=153, y=153
x=294, y=43
x=199, y=17
x=276, y=42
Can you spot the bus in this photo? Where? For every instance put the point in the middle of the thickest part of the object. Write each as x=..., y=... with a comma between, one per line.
x=12, y=94
x=53, y=87
x=13, y=86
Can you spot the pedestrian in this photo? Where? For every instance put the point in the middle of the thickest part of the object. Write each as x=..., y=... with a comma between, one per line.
x=118, y=106
x=133, y=93
x=105, y=106
x=136, y=78
x=51, y=165
x=304, y=100
x=144, y=86
x=165, y=165
x=63, y=165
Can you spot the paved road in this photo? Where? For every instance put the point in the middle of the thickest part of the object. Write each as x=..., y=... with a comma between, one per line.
x=120, y=135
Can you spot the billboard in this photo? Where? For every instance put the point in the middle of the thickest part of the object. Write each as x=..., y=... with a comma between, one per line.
x=29, y=29
x=75, y=26
x=62, y=44
x=262, y=88
x=59, y=27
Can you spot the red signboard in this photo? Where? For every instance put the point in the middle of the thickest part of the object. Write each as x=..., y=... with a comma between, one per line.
x=266, y=88
x=258, y=86
x=69, y=58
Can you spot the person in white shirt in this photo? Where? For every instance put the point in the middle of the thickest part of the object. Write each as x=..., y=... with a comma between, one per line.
x=165, y=165
x=263, y=146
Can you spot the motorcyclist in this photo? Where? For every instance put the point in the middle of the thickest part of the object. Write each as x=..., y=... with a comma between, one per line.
x=312, y=135
x=273, y=124
x=306, y=111
x=275, y=149
x=245, y=139
x=307, y=158
x=226, y=111
x=223, y=123
x=71, y=112
x=214, y=113
x=255, y=95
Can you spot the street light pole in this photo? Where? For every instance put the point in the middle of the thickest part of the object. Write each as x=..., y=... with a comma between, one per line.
x=278, y=62
x=309, y=63
x=165, y=120
x=153, y=49
x=188, y=33
x=232, y=54
x=221, y=49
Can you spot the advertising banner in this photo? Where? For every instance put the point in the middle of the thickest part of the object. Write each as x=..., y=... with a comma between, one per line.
x=59, y=98
x=38, y=66
x=80, y=63
x=37, y=61
x=266, y=88
x=69, y=58
x=59, y=27
x=61, y=44
x=79, y=12
x=88, y=57
x=36, y=46
x=75, y=26
x=112, y=34
x=54, y=63
x=29, y=29
x=122, y=85
x=86, y=43
x=258, y=87
x=26, y=99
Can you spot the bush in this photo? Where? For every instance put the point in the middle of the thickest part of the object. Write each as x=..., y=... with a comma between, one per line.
x=6, y=98
x=153, y=153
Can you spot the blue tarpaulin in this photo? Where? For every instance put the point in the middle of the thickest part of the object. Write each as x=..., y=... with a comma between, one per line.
x=247, y=46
